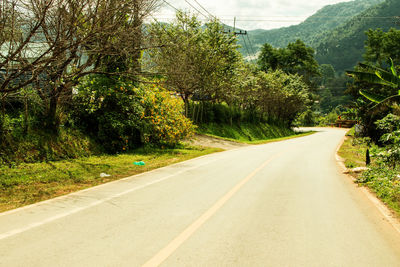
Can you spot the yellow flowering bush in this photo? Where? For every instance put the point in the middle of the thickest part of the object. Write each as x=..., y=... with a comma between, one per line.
x=163, y=116
x=122, y=115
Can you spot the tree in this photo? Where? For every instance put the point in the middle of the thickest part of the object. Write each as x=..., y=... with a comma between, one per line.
x=382, y=46
x=378, y=76
x=296, y=58
x=268, y=58
x=327, y=73
x=50, y=44
x=194, y=60
x=281, y=96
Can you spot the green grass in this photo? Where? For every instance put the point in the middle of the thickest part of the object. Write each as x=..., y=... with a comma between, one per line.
x=40, y=146
x=353, y=152
x=245, y=132
x=28, y=183
x=250, y=133
x=385, y=183
x=382, y=180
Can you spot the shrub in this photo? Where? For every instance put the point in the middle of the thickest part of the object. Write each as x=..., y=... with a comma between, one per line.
x=122, y=115
x=164, y=121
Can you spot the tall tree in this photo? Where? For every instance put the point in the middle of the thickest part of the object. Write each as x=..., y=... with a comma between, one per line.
x=296, y=58
x=194, y=60
x=52, y=43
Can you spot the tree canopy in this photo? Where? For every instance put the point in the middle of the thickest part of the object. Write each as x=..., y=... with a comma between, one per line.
x=296, y=58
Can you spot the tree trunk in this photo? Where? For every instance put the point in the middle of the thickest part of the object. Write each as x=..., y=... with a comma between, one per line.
x=51, y=120
x=2, y=118
x=137, y=23
x=186, y=101
x=26, y=126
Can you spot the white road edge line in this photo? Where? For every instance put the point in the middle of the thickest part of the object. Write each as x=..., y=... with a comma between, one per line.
x=98, y=202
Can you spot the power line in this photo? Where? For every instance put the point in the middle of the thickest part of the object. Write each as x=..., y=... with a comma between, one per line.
x=245, y=45
x=195, y=8
x=244, y=18
x=170, y=5
x=204, y=9
x=251, y=46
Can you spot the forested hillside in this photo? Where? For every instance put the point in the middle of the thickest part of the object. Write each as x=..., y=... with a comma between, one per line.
x=326, y=19
x=344, y=46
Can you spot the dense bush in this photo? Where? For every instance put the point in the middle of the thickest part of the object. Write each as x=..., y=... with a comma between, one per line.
x=163, y=119
x=122, y=115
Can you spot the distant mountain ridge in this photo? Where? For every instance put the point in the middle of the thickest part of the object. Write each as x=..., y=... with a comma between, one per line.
x=325, y=19
x=344, y=46
x=327, y=26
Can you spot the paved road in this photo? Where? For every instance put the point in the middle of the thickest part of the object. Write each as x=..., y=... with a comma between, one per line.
x=279, y=204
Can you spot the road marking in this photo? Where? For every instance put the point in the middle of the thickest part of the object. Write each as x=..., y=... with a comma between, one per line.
x=163, y=254
x=98, y=202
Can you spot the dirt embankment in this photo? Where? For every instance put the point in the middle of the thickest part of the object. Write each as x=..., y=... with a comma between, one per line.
x=209, y=141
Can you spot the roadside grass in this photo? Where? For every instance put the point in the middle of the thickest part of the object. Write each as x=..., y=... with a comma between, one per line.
x=266, y=141
x=248, y=133
x=380, y=179
x=385, y=183
x=28, y=183
x=353, y=152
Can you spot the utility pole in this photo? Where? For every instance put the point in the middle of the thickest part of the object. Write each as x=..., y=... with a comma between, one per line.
x=240, y=32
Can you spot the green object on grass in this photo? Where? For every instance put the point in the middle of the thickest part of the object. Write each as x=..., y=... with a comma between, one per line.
x=139, y=163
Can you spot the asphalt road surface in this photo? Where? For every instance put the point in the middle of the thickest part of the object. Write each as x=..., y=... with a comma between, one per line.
x=279, y=204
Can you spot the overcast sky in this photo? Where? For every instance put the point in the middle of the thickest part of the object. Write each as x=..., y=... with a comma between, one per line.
x=250, y=14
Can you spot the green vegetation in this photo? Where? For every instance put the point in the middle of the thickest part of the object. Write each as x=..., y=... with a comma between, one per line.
x=100, y=98
x=353, y=150
x=343, y=47
x=296, y=58
x=42, y=146
x=313, y=28
x=245, y=132
x=376, y=87
x=385, y=182
x=29, y=183
x=382, y=177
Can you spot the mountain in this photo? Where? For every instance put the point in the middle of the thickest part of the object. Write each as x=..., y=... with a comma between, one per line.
x=343, y=47
x=311, y=30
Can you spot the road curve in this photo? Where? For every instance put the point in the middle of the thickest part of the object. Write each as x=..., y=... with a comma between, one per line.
x=278, y=204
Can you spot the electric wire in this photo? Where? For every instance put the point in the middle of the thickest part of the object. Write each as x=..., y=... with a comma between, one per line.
x=170, y=5
x=204, y=9
x=245, y=45
x=251, y=46
x=195, y=8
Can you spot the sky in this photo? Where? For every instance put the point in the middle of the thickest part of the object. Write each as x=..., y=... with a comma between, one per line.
x=250, y=14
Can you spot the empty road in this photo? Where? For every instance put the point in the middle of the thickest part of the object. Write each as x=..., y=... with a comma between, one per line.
x=278, y=204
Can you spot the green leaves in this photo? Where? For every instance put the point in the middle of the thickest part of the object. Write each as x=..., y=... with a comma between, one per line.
x=372, y=97
x=377, y=76
x=296, y=58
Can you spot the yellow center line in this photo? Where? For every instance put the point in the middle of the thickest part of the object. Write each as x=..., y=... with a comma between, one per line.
x=164, y=253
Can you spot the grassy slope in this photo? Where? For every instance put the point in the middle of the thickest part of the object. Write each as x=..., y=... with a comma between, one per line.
x=32, y=182
x=353, y=151
x=40, y=146
x=245, y=132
